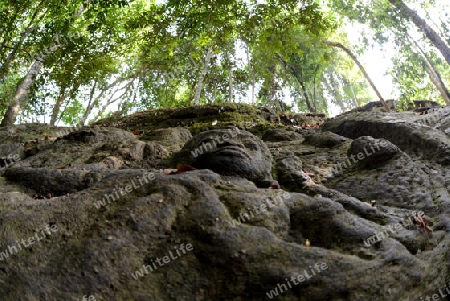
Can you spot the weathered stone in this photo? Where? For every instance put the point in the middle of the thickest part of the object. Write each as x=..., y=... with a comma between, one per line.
x=275, y=135
x=230, y=152
x=172, y=139
x=324, y=139
x=117, y=214
x=369, y=151
x=405, y=129
x=290, y=174
x=91, y=148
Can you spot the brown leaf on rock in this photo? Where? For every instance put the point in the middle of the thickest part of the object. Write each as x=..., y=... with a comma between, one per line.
x=184, y=167
x=180, y=168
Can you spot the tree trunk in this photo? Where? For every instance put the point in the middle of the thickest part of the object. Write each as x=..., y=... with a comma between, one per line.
x=363, y=70
x=432, y=35
x=272, y=89
x=90, y=105
x=434, y=74
x=21, y=93
x=198, y=89
x=5, y=66
x=330, y=84
x=437, y=82
x=61, y=97
x=305, y=94
x=252, y=76
x=230, y=79
x=94, y=102
x=12, y=55
x=355, y=99
x=299, y=79
x=346, y=83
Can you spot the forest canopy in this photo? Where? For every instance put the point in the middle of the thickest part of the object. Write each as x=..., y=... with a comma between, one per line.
x=72, y=62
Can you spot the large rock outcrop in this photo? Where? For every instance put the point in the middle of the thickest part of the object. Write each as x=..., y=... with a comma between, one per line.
x=101, y=211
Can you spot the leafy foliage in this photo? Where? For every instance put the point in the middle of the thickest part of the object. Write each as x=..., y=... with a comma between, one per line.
x=119, y=55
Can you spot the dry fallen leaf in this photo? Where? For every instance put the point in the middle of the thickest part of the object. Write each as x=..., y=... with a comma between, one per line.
x=184, y=167
x=180, y=168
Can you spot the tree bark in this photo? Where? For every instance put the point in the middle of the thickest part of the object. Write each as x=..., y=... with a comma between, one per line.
x=330, y=84
x=438, y=83
x=61, y=97
x=94, y=102
x=90, y=105
x=434, y=74
x=230, y=79
x=22, y=90
x=361, y=67
x=432, y=35
x=4, y=68
x=355, y=99
x=271, y=89
x=299, y=79
x=21, y=93
x=252, y=76
x=305, y=94
x=199, y=88
x=25, y=33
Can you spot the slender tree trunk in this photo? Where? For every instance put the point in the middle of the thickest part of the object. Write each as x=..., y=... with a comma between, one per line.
x=314, y=94
x=12, y=55
x=90, y=105
x=363, y=70
x=346, y=83
x=7, y=29
x=355, y=99
x=300, y=81
x=432, y=35
x=305, y=94
x=311, y=96
x=94, y=102
x=437, y=81
x=434, y=74
x=230, y=79
x=22, y=90
x=5, y=66
x=21, y=93
x=198, y=89
x=272, y=88
x=61, y=97
x=252, y=76
x=334, y=90
x=191, y=92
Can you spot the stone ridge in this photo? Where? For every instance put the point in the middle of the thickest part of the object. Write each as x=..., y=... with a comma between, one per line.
x=357, y=209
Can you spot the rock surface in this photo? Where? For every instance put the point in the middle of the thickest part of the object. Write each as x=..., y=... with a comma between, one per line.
x=371, y=152
x=229, y=152
x=101, y=211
